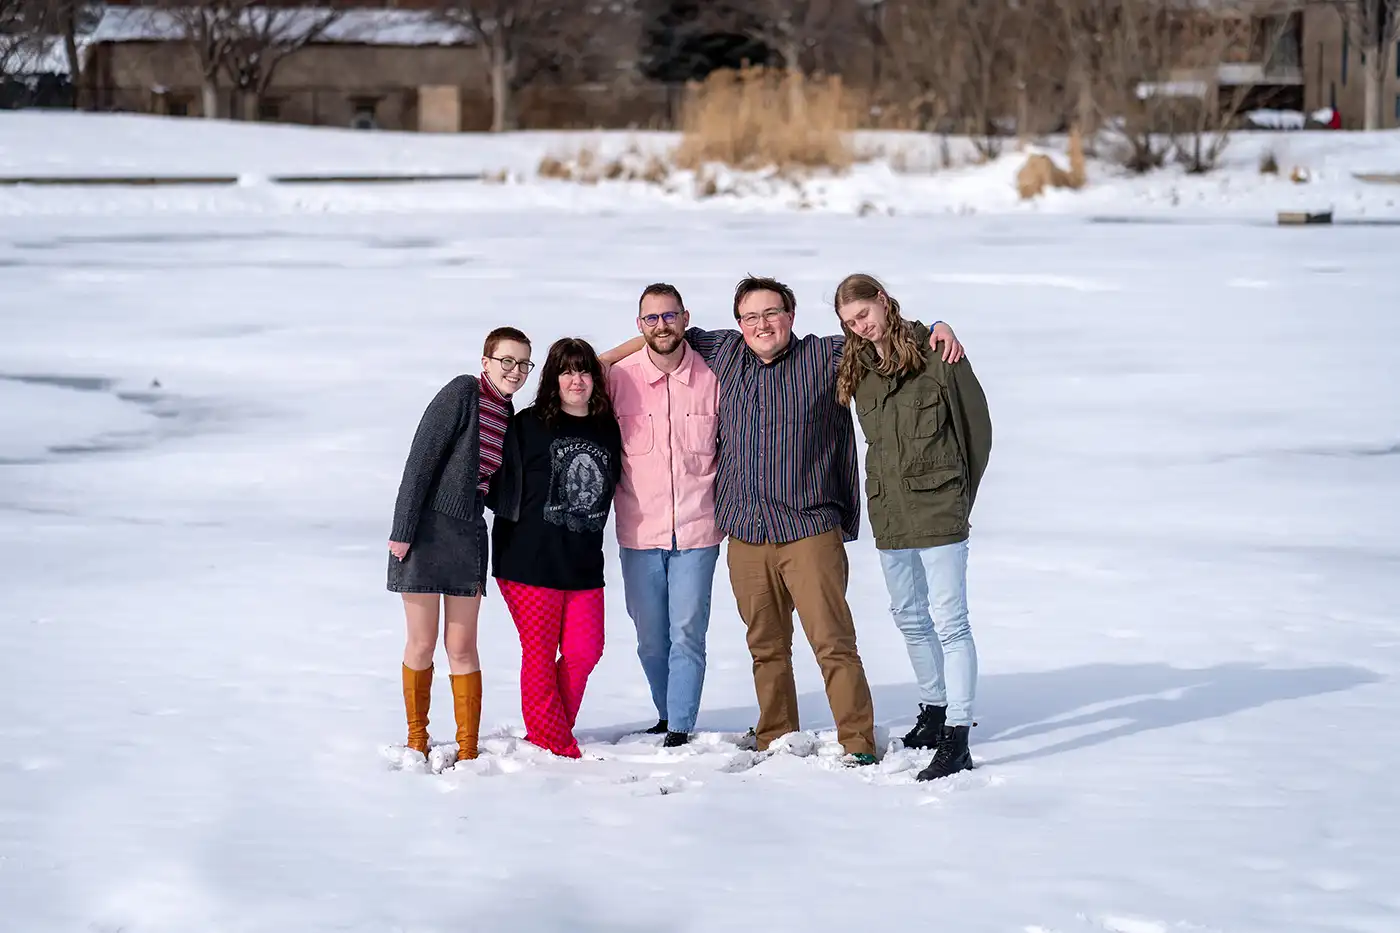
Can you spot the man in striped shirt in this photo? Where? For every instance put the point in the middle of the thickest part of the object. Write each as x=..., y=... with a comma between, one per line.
x=788, y=497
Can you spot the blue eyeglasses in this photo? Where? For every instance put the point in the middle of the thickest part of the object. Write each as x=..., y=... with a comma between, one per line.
x=651, y=320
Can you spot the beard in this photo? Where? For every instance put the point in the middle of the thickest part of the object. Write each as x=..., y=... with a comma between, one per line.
x=663, y=341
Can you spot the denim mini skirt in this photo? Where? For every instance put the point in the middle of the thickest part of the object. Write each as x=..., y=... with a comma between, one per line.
x=447, y=555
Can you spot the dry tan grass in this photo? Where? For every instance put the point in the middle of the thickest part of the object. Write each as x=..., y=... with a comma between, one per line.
x=587, y=167
x=1268, y=165
x=553, y=167
x=1040, y=171
x=759, y=118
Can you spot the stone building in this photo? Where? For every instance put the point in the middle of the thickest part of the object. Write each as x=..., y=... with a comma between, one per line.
x=1334, y=70
x=371, y=68
x=396, y=69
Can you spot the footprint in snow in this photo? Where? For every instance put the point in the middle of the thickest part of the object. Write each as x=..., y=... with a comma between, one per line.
x=662, y=787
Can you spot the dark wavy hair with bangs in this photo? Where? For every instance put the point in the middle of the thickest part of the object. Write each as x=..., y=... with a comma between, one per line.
x=571, y=354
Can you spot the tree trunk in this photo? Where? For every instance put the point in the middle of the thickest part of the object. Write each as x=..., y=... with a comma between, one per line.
x=1023, y=113
x=502, y=103
x=1084, y=111
x=1375, y=81
x=75, y=62
x=209, y=95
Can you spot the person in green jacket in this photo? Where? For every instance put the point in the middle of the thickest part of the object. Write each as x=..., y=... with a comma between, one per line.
x=928, y=436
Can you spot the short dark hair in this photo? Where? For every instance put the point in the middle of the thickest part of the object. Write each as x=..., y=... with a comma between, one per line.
x=571, y=354
x=661, y=288
x=753, y=284
x=499, y=336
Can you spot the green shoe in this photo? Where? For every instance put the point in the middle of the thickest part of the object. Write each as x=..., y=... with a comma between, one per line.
x=857, y=760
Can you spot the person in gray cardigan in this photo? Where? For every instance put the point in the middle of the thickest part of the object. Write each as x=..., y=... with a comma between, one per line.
x=438, y=543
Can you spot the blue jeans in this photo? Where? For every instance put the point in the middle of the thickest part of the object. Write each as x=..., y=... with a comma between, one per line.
x=668, y=598
x=935, y=628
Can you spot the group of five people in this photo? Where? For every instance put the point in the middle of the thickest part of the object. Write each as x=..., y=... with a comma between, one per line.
x=694, y=436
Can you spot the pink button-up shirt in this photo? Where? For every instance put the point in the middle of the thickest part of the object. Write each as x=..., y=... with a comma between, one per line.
x=670, y=429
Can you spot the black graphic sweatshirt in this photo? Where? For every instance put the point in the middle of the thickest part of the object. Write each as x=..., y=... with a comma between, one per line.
x=571, y=470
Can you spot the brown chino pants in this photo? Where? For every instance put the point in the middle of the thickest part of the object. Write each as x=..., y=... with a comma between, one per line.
x=810, y=574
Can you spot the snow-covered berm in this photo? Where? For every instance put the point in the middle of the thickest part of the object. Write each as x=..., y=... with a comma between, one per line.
x=904, y=173
x=1185, y=576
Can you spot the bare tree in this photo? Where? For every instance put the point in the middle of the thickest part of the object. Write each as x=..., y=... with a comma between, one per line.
x=985, y=29
x=1038, y=64
x=797, y=30
x=1202, y=133
x=522, y=39
x=261, y=39
x=66, y=20
x=210, y=29
x=1374, y=27
x=1082, y=31
x=32, y=31
x=21, y=35
x=1138, y=100
x=929, y=87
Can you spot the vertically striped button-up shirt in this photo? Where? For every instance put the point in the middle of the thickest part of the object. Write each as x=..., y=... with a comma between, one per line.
x=787, y=450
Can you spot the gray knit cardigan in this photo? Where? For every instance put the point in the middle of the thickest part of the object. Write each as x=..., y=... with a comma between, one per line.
x=444, y=462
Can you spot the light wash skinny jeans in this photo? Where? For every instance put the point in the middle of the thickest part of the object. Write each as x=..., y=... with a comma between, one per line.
x=928, y=599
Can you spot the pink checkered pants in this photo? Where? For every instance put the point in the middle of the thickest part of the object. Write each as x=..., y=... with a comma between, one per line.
x=561, y=641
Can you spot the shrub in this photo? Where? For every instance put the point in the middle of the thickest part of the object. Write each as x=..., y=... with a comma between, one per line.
x=759, y=118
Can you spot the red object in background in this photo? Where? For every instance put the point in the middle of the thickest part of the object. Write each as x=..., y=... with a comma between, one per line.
x=1336, y=122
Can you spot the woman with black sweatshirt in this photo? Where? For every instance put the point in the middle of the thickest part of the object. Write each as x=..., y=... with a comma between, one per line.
x=547, y=540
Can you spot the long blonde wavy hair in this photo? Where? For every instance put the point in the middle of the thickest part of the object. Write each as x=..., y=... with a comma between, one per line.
x=903, y=357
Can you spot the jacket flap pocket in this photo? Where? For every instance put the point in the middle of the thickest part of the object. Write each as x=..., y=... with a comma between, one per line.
x=872, y=485
x=920, y=393
x=933, y=480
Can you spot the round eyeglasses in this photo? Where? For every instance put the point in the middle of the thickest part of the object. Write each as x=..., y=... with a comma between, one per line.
x=509, y=363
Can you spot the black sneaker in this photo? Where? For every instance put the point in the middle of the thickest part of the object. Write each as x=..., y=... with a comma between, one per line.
x=675, y=739
x=950, y=755
x=658, y=729
x=927, y=730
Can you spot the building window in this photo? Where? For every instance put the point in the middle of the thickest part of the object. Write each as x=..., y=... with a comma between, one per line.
x=1397, y=108
x=364, y=117
x=1346, y=54
x=177, y=106
x=270, y=109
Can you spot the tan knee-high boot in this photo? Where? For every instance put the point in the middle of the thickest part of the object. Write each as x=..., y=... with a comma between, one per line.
x=466, y=703
x=417, y=695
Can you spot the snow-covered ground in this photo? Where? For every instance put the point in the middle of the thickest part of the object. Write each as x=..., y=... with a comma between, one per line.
x=1184, y=584
x=905, y=173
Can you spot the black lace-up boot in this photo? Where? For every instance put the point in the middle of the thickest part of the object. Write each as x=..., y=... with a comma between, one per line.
x=926, y=731
x=950, y=755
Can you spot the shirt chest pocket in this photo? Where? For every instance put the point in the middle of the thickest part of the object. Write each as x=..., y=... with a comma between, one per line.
x=921, y=412
x=638, y=435
x=700, y=434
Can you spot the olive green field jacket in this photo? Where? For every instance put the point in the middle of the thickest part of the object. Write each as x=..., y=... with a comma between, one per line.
x=928, y=438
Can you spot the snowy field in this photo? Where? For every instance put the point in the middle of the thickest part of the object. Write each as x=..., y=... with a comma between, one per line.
x=903, y=173
x=1184, y=584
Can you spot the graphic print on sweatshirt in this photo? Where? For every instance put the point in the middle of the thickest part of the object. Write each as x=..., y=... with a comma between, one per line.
x=578, y=485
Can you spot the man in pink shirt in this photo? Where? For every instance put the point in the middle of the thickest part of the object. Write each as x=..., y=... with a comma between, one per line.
x=666, y=400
